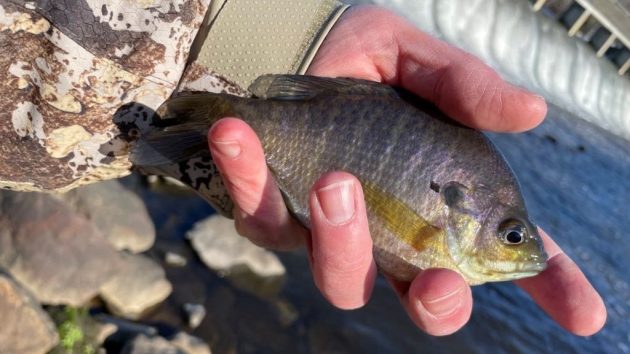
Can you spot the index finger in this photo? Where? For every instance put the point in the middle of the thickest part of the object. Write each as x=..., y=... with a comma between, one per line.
x=565, y=294
x=374, y=44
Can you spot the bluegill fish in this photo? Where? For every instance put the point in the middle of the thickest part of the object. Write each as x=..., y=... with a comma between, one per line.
x=438, y=194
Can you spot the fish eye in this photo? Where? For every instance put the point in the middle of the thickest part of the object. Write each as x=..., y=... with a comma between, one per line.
x=512, y=232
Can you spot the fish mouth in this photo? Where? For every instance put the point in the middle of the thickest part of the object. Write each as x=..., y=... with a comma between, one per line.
x=530, y=269
x=526, y=270
x=535, y=263
x=503, y=271
x=532, y=263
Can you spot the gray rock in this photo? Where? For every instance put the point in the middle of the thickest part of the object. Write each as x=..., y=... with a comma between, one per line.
x=150, y=345
x=118, y=212
x=168, y=186
x=181, y=343
x=175, y=259
x=190, y=344
x=104, y=330
x=195, y=313
x=26, y=328
x=248, y=266
x=175, y=182
x=7, y=251
x=137, y=288
x=59, y=256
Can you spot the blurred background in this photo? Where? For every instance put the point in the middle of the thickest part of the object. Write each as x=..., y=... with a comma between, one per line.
x=155, y=271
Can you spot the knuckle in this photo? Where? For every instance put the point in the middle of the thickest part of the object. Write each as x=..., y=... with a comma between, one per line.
x=346, y=265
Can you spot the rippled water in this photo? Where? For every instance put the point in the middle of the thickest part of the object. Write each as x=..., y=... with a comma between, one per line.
x=576, y=180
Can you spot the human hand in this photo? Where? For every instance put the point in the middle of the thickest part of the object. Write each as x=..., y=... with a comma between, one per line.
x=371, y=43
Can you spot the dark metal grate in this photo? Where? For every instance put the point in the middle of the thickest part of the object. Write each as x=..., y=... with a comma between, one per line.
x=604, y=24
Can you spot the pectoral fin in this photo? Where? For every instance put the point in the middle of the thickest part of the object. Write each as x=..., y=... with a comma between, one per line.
x=402, y=221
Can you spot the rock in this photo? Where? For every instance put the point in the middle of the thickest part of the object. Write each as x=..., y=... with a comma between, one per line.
x=248, y=266
x=287, y=313
x=175, y=259
x=153, y=179
x=137, y=288
x=174, y=182
x=104, y=331
x=150, y=345
x=7, y=251
x=118, y=212
x=57, y=255
x=181, y=343
x=195, y=313
x=26, y=328
x=190, y=344
x=167, y=185
x=126, y=331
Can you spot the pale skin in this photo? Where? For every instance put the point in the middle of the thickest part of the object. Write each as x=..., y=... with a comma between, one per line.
x=371, y=43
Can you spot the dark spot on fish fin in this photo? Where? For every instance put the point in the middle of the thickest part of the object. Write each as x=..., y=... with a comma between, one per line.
x=434, y=187
x=303, y=87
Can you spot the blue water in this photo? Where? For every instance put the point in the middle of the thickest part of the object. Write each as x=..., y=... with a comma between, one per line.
x=576, y=180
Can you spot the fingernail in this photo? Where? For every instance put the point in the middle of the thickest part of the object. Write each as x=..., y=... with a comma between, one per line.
x=230, y=148
x=445, y=305
x=337, y=201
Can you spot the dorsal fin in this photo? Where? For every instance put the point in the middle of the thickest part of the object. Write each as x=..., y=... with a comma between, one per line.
x=303, y=87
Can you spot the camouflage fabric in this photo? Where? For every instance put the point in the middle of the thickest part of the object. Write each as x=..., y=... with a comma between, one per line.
x=67, y=68
x=81, y=78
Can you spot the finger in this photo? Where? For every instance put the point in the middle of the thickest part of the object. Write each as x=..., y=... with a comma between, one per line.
x=341, y=254
x=397, y=53
x=439, y=301
x=260, y=213
x=565, y=294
